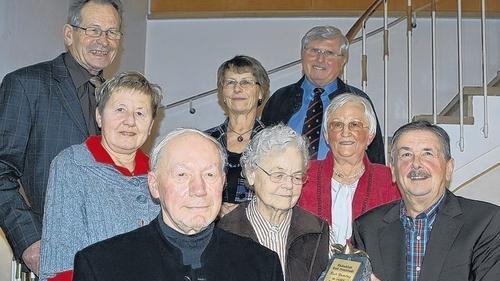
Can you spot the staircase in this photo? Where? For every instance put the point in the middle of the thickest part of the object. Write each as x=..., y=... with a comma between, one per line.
x=478, y=166
x=450, y=113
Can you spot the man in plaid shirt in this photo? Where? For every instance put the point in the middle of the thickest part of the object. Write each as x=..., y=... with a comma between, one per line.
x=430, y=234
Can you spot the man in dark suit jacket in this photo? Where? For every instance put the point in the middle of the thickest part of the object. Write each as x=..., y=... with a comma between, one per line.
x=45, y=108
x=187, y=178
x=324, y=52
x=430, y=234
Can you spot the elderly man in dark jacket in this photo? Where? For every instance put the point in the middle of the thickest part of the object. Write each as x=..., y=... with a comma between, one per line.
x=324, y=52
x=182, y=243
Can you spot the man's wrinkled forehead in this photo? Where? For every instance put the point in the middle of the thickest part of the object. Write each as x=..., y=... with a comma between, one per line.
x=183, y=149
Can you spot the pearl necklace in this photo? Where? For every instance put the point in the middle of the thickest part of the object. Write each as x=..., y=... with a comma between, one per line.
x=240, y=136
x=342, y=175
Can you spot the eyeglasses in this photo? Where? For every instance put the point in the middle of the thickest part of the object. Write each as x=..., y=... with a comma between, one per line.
x=354, y=126
x=278, y=177
x=244, y=83
x=95, y=32
x=326, y=53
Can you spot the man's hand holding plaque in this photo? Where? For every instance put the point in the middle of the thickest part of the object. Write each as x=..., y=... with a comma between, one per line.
x=347, y=264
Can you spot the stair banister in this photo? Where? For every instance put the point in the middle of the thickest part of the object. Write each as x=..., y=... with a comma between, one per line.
x=460, y=74
x=409, y=30
x=386, y=86
x=483, y=64
x=433, y=56
x=364, y=58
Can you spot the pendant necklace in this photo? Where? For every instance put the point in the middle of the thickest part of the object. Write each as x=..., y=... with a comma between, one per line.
x=240, y=136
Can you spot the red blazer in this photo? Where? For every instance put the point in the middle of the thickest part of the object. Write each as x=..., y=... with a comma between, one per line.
x=375, y=188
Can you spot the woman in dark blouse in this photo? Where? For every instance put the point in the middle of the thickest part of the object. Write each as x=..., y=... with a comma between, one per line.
x=243, y=86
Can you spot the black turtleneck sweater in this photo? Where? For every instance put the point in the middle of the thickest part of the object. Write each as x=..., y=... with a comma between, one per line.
x=191, y=246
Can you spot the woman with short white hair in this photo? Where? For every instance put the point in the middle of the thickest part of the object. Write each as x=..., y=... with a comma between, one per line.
x=346, y=184
x=274, y=164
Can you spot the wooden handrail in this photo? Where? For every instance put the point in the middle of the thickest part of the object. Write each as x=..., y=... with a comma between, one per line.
x=356, y=27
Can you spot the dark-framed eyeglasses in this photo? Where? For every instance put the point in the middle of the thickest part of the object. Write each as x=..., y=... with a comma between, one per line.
x=318, y=52
x=244, y=83
x=279, y=177
x=94, y=31
x=354, y=126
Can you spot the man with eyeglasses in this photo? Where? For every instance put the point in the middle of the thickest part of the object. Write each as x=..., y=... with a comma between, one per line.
x=45, y=108
x=430, y=234
x=182, y=243
x=324, y=52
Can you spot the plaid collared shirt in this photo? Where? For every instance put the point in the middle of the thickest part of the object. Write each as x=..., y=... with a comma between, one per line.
x=417, y=233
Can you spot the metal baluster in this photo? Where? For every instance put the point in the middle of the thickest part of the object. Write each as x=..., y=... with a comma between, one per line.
x=409, y=27
x=363, y=58
x=460, y=77
x=386, y=96
x=483, y=60
x=344, y=74
x=433, y=43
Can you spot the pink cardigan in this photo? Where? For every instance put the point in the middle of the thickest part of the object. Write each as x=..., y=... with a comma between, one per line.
x=375, y=188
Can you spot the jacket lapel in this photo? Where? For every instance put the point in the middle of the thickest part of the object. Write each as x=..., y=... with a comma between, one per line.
x=392, y=246
x=444, y=232
x=65, y=89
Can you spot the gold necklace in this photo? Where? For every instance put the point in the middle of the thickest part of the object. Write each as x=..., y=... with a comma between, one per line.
x=342, y=175
x=240, y=136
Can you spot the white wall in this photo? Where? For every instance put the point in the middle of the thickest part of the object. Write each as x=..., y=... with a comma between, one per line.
x=30, y=31
x=484, y=188
x=183, y=56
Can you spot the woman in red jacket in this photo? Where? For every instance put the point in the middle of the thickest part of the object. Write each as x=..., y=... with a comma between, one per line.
x=346, y=184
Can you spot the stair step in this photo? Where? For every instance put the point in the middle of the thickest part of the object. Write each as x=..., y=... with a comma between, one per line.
x=468, y=120
x=496, y=81
x=453, y=107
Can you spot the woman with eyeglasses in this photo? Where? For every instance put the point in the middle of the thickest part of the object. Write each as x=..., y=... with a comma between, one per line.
x=274, y=164
x=243, y=86
x=346, y=184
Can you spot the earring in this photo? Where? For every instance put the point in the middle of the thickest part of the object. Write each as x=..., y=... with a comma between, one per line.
x=259, y=102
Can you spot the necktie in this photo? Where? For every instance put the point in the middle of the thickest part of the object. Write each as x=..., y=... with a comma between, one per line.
x=96, y=82
x=312, y=124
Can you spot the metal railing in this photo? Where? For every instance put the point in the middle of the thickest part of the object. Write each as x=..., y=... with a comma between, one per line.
x=360, y=25
x=352, y=32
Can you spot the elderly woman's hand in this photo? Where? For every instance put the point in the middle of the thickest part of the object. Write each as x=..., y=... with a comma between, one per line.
x=226, y=208
x=374, y=278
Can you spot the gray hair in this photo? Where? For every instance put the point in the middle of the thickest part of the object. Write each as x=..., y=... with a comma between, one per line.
x=344, y=98
x=326, y=32
x=131, y=80
x=439, y=132
x=241, y=64
x=271, y=139
x=155, y=153
x=75, y=8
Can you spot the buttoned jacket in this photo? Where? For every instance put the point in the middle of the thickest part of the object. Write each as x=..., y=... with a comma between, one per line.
x=40, y=115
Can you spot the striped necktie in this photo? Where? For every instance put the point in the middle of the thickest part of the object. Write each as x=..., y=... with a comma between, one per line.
x=312, y=124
